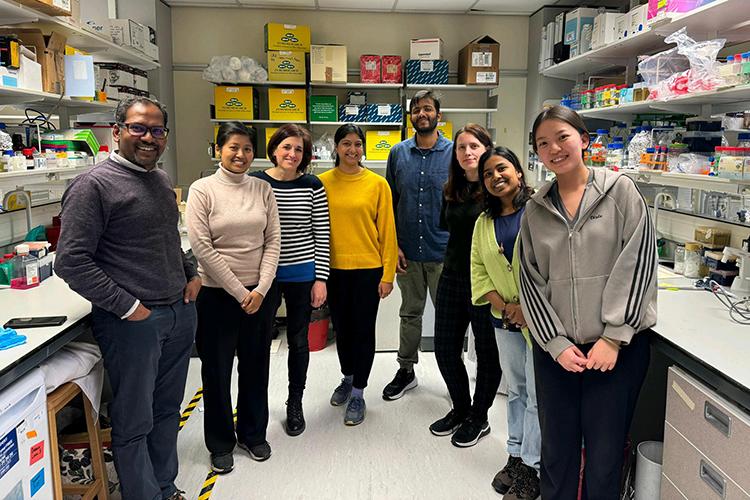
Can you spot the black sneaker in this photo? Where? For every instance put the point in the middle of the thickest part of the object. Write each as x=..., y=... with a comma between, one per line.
x=258, y=452
x=295, y=419
x=222, y=463
x=448, y=424
x=178, y=495
x=342, y=393
x=470, y=432
x=504, y=479
x=402, y=382
x=525, y=486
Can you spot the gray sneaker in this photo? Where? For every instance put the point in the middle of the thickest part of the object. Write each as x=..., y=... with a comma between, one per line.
x=355, y=411
x=342, y=393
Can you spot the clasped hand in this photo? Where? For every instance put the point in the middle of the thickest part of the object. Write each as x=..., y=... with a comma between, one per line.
x=603, y=357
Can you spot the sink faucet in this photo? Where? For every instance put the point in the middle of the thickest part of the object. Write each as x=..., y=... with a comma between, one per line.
x=27, y=200
x=660, y=199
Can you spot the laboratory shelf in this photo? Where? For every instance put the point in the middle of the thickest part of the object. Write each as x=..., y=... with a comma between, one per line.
x=267, y=83
x=47, y=100
x=270, y=122
x=356, y=85
x=25, y=177
x=467, y=110
x=360, y=124
x=692, y=181
x=721, y=18
x=450, y=86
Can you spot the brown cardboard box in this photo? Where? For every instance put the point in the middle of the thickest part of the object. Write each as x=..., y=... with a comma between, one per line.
x=50, y=53
x=328, y=63
x=479, y=62
x=51, y=7
x=712, y=237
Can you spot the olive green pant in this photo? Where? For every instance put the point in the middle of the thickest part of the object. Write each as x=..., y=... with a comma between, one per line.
x=420, y=277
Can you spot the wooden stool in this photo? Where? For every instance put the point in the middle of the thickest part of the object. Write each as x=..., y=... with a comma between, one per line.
x=56, y=401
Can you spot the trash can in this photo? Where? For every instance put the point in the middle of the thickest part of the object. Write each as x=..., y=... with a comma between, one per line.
x=648, y=470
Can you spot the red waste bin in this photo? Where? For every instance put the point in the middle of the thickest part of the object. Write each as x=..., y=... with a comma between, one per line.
x=317, y=334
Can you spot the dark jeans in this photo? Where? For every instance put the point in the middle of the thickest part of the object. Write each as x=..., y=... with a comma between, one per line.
x=223, y=330
x=147, y=363
x=453, y=313
x=593, y=405
x=298, y=311
x=354, y=300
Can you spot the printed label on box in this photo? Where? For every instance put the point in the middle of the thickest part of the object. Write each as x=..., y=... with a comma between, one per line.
x=36, y=483
x=384, y=110
x=426, y=66
x=351, y=110
x=486, y=77
x=481, y=59
x=8, y=452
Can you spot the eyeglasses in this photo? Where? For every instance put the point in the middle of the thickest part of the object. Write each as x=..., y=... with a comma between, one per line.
x=138, y=130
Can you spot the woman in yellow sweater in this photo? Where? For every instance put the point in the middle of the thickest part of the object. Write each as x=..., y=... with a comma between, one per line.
x=363, y=263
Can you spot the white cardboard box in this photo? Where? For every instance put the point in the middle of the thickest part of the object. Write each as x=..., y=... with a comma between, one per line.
x=128, y=32
x=29, y=74
x=151, y=50
x=94, y=17
x=604, y=29
x=426, y=48
x=622, y=27
x=638, y=19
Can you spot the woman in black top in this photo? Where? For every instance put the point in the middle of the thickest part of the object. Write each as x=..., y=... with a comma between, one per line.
x=453, y=309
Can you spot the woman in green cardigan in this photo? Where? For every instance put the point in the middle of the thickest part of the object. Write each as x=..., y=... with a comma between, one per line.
x=494, y=280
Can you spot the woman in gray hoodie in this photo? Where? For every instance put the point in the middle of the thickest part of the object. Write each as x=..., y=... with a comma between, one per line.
x=588, y=290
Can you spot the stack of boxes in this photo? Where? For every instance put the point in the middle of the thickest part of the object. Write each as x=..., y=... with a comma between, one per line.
x=426, y=65
x=119, y=80
x=379, y=69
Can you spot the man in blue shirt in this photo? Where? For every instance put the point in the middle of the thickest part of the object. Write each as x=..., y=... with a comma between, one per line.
x=417, y=169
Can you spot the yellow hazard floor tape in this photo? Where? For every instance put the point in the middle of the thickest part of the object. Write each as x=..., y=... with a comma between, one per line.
x=208, y=486
x=190, y=407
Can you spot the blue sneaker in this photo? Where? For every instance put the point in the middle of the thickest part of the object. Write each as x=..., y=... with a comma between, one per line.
x=355, y=411
x=342, y=393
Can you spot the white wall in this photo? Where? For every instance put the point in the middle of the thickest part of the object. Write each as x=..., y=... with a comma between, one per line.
x=199, y=33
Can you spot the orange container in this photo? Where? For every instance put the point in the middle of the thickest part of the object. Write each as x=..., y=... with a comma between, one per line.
x=317, y=334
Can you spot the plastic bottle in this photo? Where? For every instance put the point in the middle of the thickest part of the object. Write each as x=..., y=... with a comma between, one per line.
x=598, y=147
x=25, y=268
x=746, y=67
x=614, y=155
x=62, y=156
x=103, y=153
x=18, y=162
x=647, y=159
x=738, y=69
x=5, y=161
x=727, y=71
x=40, y=160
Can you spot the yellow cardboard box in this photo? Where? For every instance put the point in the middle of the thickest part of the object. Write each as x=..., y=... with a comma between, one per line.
x=286, y=66
x=287, y=104
x=380, y=142
x=445, y=129
x=278, y=36
x=269, y=132
x=235, y=102
x=328, y=63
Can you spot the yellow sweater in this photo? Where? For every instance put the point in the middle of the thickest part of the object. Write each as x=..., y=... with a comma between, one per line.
x=363, y=229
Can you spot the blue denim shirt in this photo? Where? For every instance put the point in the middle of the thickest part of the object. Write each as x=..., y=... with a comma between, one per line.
x=416, y=178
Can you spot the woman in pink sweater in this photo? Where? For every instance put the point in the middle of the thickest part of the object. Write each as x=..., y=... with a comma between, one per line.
x=233, y=227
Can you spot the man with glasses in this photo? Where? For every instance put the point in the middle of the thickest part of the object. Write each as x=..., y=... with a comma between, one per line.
x=416, y=171
x=120, y=249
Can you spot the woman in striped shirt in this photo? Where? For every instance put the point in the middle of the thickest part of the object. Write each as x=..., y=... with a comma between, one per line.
x=304, y=261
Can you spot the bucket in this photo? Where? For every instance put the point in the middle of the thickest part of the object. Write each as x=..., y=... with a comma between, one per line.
x=648, y=470
x=317, y=334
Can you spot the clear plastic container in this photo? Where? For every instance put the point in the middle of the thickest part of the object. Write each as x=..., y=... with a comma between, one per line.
x=746, y=67
x=679, y=259
x=598, y=148
x=673, y=154
x=25, y=268
x=647, y=159
x=693, y=258
x=614, y=155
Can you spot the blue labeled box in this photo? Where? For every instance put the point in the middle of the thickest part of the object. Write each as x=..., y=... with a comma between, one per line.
x=432, y=72
x=353, y=113
x=384, y=113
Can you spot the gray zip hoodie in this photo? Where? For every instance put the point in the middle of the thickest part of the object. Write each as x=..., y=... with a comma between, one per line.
x=595, y=278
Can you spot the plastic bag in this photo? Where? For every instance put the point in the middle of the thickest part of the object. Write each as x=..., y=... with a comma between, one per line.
x=662, y=66
x=6, y=142
x=234, y=69
x=692, y=163
x=704, y=69
x=323, y=148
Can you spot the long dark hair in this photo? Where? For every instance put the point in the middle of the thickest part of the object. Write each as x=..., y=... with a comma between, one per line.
x=562, y=114
x=342, y=132
x=491, y=204
x=292, y=130
x=458, y=188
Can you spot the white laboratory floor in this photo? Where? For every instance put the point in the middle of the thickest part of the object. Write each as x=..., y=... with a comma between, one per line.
x=392, y=455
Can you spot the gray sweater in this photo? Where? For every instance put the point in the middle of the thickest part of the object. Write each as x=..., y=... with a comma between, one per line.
x=119, y=240
x=591, y=278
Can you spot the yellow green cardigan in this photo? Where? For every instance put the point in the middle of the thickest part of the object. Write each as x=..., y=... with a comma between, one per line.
x=490, y=270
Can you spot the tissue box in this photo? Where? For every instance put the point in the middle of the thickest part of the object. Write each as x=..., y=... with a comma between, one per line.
x=385, y=113
x=427, y=72
x=426, y=48
x=379, y=143
x=287, y=104
x=369, y=68
x=279, y=36
x=235, y=102
x=286, y=66
x=391, y=69
x=352, y=113
x=324, y=108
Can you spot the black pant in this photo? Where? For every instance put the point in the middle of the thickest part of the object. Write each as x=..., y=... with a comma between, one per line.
x=593, y=405
x=453, y=313
x=147, y=363
x=223, y=330
x=298, y=311
x=354, y=300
